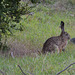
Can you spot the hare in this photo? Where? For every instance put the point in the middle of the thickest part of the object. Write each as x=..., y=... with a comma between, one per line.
x=56, y=42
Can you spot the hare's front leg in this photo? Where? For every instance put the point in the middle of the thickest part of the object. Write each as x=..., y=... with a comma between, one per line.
x=59, y=50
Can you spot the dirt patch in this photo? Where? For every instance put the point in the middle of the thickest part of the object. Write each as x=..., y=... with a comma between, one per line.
x=20, y=49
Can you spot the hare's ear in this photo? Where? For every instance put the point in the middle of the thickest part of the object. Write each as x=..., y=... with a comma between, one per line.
x=62, y=26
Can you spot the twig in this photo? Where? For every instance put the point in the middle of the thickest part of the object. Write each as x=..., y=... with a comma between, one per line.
x=2, y=72
x=21, y=70
x=65, y=69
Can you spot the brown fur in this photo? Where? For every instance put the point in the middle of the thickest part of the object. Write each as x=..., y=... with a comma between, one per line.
x=56, y=42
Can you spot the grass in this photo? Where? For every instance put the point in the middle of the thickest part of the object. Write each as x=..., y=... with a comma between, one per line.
x=37, y=29
x=41, y=65
x=41, y=26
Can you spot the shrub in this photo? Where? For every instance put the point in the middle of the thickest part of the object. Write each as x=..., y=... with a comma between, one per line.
x=72, y=1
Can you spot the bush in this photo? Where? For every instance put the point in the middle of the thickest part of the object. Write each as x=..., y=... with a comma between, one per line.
x=72, y=1
x=35, y=1
x=10, y=16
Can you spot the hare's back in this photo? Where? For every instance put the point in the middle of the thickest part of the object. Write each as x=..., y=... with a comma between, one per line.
x=52, y=40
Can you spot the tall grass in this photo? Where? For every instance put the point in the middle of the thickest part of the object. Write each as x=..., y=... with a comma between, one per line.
x=42, y=25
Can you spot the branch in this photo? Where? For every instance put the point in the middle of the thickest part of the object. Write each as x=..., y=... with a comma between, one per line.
x=21, y=70
x=65, y=68
x=2, y=72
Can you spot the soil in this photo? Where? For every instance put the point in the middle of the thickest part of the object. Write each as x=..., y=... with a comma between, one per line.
x=20, y=50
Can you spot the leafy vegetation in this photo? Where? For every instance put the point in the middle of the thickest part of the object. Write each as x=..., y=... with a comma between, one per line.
x=38, y=27
x=10, y=15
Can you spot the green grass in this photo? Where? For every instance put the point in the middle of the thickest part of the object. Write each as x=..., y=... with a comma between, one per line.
x=41, y=26
x=41, y=65
x=37, y=29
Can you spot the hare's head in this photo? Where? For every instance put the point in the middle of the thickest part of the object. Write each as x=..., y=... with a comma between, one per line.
x=64, y=34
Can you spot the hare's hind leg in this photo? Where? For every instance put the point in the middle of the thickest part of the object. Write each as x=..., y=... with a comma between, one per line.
x=57, y=48
x=52, y=49
x=45, y=50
